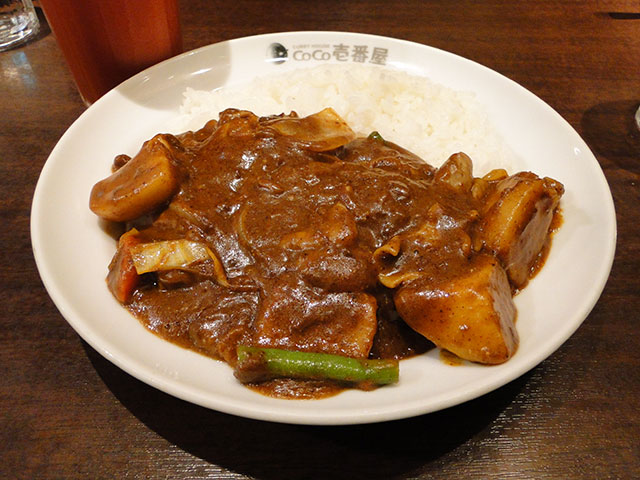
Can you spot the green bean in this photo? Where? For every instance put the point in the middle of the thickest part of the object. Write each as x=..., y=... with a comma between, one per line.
x=376, y=136
x=257, y=364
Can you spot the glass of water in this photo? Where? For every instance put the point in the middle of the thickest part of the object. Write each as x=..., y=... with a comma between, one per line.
x=18, y=22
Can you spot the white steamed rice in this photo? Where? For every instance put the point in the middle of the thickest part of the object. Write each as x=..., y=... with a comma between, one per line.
x=425, y=117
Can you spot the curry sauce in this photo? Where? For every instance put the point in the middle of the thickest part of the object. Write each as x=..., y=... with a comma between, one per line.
x=292, y=233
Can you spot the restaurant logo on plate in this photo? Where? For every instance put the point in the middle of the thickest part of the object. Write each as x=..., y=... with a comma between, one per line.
x=341, y=52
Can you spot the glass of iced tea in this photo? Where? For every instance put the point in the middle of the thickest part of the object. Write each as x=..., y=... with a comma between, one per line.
x=107, y=41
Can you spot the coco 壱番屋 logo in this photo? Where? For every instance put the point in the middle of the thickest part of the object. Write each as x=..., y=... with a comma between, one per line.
x=341, y=52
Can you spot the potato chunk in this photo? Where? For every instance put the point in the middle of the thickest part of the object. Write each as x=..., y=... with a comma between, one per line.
x=470, y=314
x=142, y=184
x=516, y=221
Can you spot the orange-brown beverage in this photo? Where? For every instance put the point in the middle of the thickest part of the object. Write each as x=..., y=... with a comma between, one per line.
x=107, y=41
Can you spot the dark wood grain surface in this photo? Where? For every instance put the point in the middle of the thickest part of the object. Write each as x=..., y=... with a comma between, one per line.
x=66, y=412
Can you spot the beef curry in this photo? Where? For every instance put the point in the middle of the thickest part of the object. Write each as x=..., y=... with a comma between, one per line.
x=291, y=233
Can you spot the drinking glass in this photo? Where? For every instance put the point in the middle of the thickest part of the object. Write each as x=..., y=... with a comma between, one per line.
x=107, y=41
x=18, y=22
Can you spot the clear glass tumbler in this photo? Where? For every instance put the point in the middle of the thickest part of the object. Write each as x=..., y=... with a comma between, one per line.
x=18, y=22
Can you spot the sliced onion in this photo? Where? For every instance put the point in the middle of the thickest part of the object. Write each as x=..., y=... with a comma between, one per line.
x=174, y=255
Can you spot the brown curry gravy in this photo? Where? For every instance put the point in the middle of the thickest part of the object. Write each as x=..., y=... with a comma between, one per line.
x=296, y=230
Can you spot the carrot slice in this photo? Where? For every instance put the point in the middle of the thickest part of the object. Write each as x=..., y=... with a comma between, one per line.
x=122, y=278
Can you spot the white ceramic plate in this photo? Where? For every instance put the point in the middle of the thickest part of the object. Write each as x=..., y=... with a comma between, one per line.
x=72, y=251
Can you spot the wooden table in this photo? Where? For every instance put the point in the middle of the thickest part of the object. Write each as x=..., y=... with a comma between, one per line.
x=66, y=412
